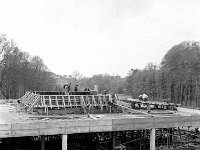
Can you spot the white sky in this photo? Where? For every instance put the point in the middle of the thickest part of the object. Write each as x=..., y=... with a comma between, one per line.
x=99, y=36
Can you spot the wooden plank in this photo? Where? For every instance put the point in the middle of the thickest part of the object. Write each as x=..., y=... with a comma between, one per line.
x=63, y=101
x=50, y=101
x=100, y=102
x=133, y=110
x=75, y=101
x=34, y=102
x=57, y=102
x=41, y=100
x=69, y=101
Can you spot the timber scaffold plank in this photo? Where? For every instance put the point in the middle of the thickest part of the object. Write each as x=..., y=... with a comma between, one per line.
x=28, y=101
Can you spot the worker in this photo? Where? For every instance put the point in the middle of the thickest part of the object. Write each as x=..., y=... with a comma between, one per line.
x=140, y=97
x=67, y=88
x=76, y=88
x=87, y=90
x=144, y=97
x=104, y=92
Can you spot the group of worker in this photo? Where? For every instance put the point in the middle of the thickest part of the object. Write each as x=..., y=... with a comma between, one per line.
x=143, y=97
x=105, y=92
x=67, y=88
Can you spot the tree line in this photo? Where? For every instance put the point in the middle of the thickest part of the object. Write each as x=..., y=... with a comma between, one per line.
x=21, y=72
x=176, y=79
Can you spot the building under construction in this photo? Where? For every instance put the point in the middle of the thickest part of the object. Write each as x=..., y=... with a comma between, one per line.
x=85, y=121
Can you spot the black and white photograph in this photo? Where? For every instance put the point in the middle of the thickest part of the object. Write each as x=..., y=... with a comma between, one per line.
x=99, y=74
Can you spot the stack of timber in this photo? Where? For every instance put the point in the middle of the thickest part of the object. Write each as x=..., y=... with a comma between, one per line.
x=129, y=104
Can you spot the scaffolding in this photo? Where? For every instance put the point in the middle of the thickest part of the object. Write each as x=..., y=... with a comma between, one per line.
x=32, y=101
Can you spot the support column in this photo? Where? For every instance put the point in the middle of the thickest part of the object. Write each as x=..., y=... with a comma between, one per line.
x=42, y=142
x=113, y=140
x=152, y=139
x=64, y=142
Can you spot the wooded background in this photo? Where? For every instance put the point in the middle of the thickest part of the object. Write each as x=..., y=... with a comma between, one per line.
x=177, y=78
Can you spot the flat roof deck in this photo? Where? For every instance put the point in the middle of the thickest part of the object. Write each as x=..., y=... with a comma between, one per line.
x=17, y=124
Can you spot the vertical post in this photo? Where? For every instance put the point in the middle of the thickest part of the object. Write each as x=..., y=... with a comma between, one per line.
x=180, y=136
x=42, y=142
x=188, y=138
x=171, y=135
x=64, y=142
x=113, y=140
x=152, y=139
x=167, y=137
x=140, y=139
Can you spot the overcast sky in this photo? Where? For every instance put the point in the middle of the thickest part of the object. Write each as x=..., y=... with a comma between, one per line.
x=99, y=36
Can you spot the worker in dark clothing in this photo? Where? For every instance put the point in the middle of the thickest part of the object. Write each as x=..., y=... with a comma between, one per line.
x=68, y=87
x=87, y=90
x=76, y=88
x=140, y=97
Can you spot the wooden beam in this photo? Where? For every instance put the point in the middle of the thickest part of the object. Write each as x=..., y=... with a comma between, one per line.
x=133, y=110
x=57, y=101
x=63, y=101
x=50, y=101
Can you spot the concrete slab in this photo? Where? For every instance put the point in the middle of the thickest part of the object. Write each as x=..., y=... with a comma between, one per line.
x=5, y=127
x=30, y=132
x=52, y=131
x=15, y=124
x=100, y=122
x=77, y=123
x=71, y=130
x=100, y=128
x=5, y=134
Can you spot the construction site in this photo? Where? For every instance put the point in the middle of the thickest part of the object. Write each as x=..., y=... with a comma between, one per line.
x=90, y=121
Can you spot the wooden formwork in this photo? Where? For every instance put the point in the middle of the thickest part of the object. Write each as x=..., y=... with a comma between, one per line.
x=34, y=101
x=28, y=101
x=48, y=102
